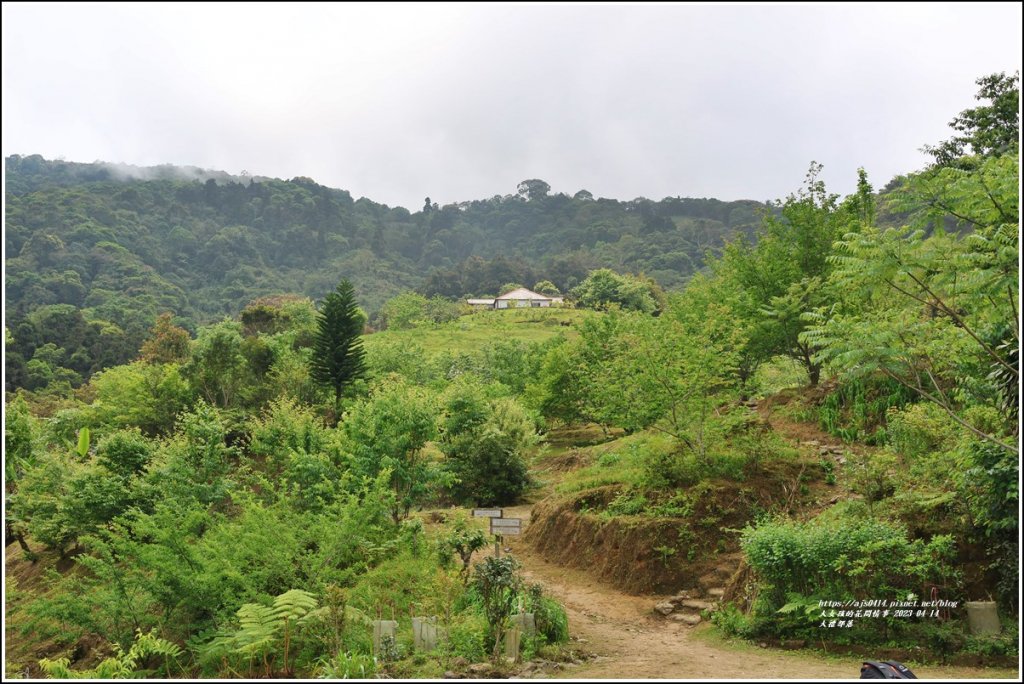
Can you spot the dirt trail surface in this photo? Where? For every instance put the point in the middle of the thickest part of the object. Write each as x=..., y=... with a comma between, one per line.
x=631, y=643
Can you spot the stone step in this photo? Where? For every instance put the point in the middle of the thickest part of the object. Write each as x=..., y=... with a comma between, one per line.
x=664, y=608
x=691, y=607
x=698, y=605
x=716, y=593
x=684, y=596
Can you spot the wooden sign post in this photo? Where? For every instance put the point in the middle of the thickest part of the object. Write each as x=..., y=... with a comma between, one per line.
x=499, y=525
x=503, y=526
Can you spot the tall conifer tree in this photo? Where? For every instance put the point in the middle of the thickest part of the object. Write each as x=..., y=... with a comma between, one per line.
x=338, y=348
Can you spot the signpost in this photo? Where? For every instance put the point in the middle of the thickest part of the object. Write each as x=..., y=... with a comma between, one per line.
x=502, y=526
x=499, y=525
x=505, y=526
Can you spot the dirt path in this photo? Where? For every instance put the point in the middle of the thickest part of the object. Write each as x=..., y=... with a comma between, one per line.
x=631, y=643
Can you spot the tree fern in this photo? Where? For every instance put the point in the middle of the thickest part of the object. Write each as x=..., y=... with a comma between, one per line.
x=123, y=664
x=260, y=628
x=291, y=606
x=257, y=625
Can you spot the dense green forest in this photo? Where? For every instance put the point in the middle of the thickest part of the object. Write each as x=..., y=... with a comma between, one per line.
x=243, y=496
x=94, y=252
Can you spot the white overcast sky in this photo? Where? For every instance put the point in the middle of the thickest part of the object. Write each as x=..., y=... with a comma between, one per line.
x=457, y=102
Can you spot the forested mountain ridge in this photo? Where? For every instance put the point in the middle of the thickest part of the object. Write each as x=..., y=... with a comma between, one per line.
x=36, y=173
x=94, y=252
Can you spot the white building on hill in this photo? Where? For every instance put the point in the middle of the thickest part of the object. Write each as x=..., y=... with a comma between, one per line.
x=515, y=299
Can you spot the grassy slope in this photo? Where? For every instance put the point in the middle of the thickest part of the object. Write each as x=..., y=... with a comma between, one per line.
x=470, y=333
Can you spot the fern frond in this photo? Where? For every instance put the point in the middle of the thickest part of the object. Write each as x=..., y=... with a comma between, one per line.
x=257, y=625
x=293, y=604
x=57, y=669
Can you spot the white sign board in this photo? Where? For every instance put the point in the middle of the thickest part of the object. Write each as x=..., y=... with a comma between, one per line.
x=486, y=512
x=506, y=525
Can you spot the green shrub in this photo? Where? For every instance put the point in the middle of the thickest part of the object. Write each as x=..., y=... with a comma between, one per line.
x=749, y=436
x=679, y=505
x=777, y=374
x=467, y=637
x=404, y=357
x=125, y=452
x=485, y=442
x=359, y=639
x=552, y=620
x=62, y=428
x=829, y=468
x=347, y=666
x=627, y=503
x=844, y=558
x=732, y=621
x=403, y=580
x=1006, y=643
x=498, y=582
x=549, y=615
x=738, y=444
x=989, y=483
x=858, y=408
x=462, y=541
x=920, y=429
x=874, y=475
x=662, y=469
x=284, y=428
x=941, y=637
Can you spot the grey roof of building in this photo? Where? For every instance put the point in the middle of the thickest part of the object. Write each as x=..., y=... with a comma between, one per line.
x=523, y=293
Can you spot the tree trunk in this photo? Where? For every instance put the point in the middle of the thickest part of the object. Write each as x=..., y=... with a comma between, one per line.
x=744, y=375
x=25, y=548
x=11, y=536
